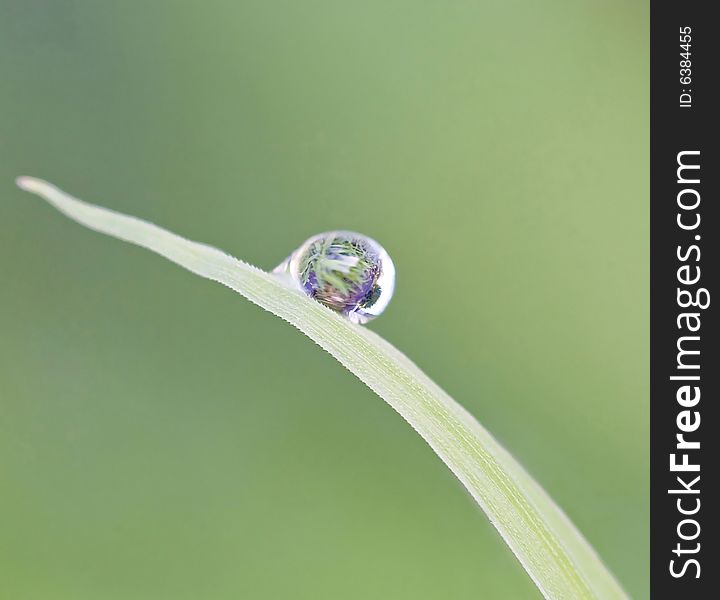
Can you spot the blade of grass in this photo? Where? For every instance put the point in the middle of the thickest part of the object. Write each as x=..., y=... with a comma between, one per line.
x=553, y=552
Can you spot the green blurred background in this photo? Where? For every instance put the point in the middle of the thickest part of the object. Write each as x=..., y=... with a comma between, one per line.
x=162, y=438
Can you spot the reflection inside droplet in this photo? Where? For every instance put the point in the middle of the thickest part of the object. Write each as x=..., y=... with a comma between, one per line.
x=346, y=271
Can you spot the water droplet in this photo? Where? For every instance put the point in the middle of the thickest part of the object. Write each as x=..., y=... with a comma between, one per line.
x=346, y=271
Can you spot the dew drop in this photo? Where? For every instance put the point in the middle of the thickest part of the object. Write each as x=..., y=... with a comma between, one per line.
x=348, y=272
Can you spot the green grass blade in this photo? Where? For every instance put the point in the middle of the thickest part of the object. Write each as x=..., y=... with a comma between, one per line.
x=553, y=552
